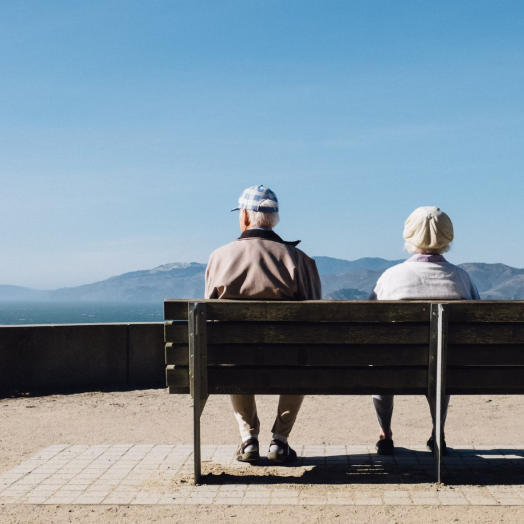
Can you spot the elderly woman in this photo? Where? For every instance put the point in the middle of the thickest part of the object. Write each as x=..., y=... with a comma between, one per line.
x=427, y=274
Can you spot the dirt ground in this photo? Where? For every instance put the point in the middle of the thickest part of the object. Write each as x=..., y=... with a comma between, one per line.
x=30, y=424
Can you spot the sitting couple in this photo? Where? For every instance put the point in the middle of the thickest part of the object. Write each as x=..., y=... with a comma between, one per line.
x=261, y=266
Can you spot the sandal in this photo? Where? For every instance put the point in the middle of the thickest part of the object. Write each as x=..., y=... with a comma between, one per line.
x=286, y=455
x=248, y=456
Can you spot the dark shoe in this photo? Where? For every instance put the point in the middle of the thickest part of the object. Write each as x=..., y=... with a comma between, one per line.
x=385, y=447
x=248, y=456
x=287, y=454
x=430, y=445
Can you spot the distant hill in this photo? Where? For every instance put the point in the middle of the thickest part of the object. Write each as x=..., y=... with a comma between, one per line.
x=177, y=280
x=497, y=281
x=363, y=280
x=336, y=266
x=341, y=280
x=21, y=293
x=347, y=294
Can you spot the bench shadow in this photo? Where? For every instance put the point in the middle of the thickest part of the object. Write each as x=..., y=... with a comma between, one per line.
x=461, y=467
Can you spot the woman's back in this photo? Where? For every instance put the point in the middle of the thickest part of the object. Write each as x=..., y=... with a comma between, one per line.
x=425, y=277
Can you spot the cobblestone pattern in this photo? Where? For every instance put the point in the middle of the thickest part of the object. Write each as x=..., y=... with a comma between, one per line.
x=121, y=474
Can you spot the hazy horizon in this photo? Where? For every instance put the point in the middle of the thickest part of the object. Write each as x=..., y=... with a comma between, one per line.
x=406, y=255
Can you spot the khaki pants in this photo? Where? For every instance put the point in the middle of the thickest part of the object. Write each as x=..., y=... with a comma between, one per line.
x=246, y=414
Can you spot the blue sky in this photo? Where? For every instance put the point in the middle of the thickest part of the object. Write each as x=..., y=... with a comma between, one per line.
x=128, y=129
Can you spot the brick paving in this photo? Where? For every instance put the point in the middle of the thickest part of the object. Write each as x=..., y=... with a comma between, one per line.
x=334, y=475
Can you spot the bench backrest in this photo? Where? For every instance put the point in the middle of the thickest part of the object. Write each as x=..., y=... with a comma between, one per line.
x=349, y=347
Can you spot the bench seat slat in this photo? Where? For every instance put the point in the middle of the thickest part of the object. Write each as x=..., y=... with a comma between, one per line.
x=478, y=380
x=486, y=354
x=309, y=310
x=486, y=311
x=305, y=355
x=304, y=333
x=486, y=333
x=308, y=380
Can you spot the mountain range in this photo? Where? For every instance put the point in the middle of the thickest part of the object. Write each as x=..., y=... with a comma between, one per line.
x=341, y=280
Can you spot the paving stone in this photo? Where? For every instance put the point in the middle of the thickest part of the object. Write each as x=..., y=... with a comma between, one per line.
x=372, y=501
x=115, y=474
x=453, y=501
x=396, y=494
x=199, y=500
x=397, y=501
x=61, y=500
x=89, y=499
x=425, y=501
x=342, y=501
x=481, y=501
x=120, y=498
x=312, y=500
x=8, y=500
x=33, y=500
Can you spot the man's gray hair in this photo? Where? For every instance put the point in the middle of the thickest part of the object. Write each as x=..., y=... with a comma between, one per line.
x=260, y=219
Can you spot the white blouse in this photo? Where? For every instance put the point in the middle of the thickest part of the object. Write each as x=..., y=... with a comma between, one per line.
x=425, y=280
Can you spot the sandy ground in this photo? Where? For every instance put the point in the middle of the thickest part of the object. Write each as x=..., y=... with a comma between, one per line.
x=30, y=424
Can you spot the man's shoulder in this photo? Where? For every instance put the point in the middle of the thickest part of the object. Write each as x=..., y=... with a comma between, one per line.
x=222, y=250
x=302, y=255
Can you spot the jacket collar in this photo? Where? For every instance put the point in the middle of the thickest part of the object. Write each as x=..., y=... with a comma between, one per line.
x=266, y=235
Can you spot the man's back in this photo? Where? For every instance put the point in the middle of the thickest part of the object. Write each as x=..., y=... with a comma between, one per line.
x=260, y=265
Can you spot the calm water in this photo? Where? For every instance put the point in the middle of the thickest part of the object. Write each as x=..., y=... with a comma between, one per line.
x=12, y=313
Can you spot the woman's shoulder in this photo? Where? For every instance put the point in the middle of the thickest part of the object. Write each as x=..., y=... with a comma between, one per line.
x=395, y=271
x=458, y=270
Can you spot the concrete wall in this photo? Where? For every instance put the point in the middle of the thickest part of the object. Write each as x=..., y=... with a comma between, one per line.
x=84, y=357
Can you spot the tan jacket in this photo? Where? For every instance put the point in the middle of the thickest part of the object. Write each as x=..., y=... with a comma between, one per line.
x=261, y=266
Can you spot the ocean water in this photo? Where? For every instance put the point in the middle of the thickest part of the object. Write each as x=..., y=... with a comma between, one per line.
x=14, y=313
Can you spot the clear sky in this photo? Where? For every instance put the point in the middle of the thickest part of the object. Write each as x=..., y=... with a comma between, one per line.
x=128, y=129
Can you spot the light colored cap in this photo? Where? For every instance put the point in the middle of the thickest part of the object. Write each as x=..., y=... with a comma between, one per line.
x=428, y=228
x=258, y=198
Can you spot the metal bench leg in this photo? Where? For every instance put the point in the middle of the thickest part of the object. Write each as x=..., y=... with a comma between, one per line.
x=197, y=455
x=437, y=376
x=197, y=376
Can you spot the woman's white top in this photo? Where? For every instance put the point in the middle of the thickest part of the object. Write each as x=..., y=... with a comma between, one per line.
x=417, y=279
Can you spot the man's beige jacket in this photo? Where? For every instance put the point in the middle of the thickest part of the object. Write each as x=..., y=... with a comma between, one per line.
x=261, y=266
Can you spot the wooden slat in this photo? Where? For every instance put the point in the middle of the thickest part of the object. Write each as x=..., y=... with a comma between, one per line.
x=327, y=333
x=310, y=380
x=176, y=309
x=487, y=311
x=485, y=355
x=486, y=333
x=177, y=379
x=351, y=311
x=176, y=332
x=308, y=311
x=305, y=333
x=473, y=380
x=305, y=355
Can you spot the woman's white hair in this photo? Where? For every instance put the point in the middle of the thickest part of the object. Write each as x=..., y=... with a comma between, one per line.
x=260, y=219
x=417, y=251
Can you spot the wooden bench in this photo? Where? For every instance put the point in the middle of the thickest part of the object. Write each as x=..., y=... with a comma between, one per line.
x=217, y=347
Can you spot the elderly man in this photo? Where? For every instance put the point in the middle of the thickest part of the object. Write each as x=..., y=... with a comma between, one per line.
x=261, y=266
x=428, y=233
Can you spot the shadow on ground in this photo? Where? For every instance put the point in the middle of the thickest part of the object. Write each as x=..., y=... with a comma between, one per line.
x=460, y=467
